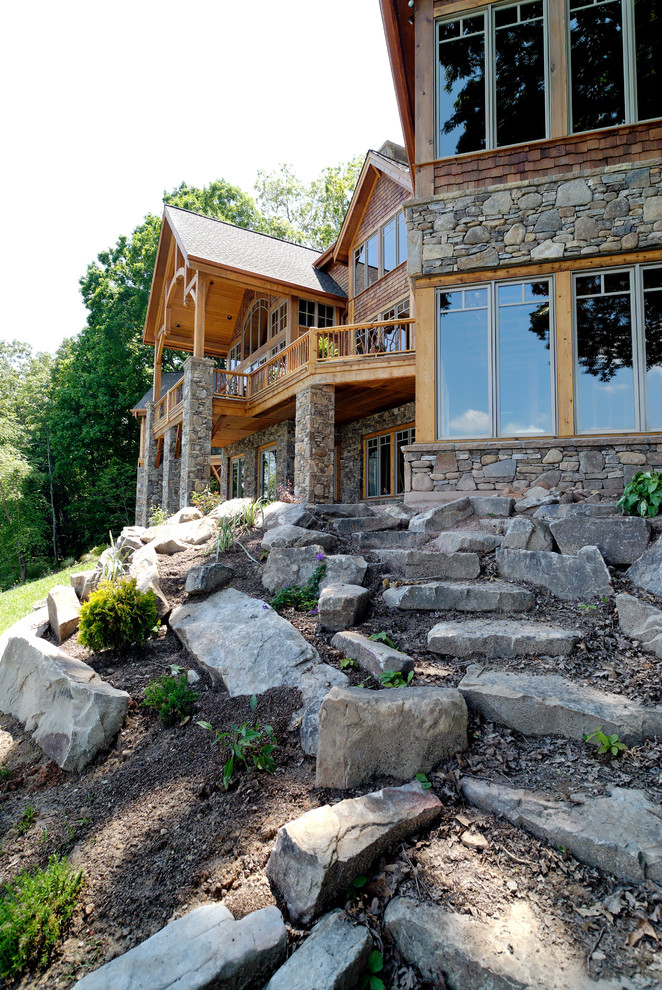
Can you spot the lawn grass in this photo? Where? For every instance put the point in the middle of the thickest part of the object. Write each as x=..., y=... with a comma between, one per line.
x=18, y=602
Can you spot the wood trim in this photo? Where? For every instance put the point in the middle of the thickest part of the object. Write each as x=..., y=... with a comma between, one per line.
x=391, y=431
x=200, y=307
x=558, y=68
x=268, y=286
x=565, y=394
x=425, y=99
x=231, y=460
x=260, y=450
x=424, y=304
x=159, y=452
x=399, y=73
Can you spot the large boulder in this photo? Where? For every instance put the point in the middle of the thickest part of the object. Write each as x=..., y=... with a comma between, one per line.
x=233, y=506
x=527, y=534
x=296, y=565
x=584, y=576
x=501, y=638
x=317, y=856
x=206, y=578
x=362, y=732
x=491, y=505
x=345, y=510
x=641, y=621
x=84, y=583
x=191, y=533
x=144, y=567
x=620, y=540
x=188, y=513
x=63, y=611
x=297, y=536
x=342, y=606
x=441, y=516
x=285, y=514
x=549, y=705
x=244, y=642
x=205, y=948
x=71, y=713
x=465, y=596
x=647, y=572
x=371, y=655
x=333, y=957
x=472, y=541
x=416, y=564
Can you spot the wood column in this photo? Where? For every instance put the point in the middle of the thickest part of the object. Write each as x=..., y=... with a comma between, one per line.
x=424, y=83
x=558, y=61
x=565, y=363
x=424, y=305
x=158, y=354
x=200, y=306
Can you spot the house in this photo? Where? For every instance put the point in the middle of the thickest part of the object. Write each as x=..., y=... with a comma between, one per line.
x=302, y=365
x=534, y=138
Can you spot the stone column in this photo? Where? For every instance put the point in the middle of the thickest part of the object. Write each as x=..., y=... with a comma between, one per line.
x=196, y=427
x=314, y=439
x=170, y=487
x=224, y=482
x=149, y=487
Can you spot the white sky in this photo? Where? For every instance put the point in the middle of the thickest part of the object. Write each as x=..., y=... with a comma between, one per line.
x=106, y=106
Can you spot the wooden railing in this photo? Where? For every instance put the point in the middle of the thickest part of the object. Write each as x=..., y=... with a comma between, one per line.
x=231, y=384
x=364, y=339
x=167, y=405
x=281, y=365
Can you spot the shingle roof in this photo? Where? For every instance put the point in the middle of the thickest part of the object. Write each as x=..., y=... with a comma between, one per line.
x=224, y=244
x=168, y=380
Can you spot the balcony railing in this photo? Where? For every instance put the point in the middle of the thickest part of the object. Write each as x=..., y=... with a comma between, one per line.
x=231, y=384
x=364, y=339
x=166, y=406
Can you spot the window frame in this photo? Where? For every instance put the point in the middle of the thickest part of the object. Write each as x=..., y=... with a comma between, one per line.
x=238, y=460
x=262, y=450
x=362, y=245
x=487, y=13
x=314, y=314
x=493, y=362
x=392, y=431
x=639, y=383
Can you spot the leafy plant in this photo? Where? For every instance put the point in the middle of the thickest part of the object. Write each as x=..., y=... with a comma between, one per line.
x=370, y=980
x=171, y=696
x=245, y=742
x=382, y=637
x=423, y=781
x=114, y=563
x=302, y=597
x=395, y=678
x=355, y=887
x=642, y=495
x=587, y=608
x=206, y=500
x=227, y=534
x=248, y=516
x=34, y=910
x=26, y=821
x=606, y=744
x=326, y=348
x=116, y=616
x=348, y=664
x=5, y=772
x=158, y=516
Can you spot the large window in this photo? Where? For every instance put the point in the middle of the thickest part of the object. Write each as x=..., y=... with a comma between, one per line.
x=615, y=62
x=618, y=365
x=380, y=253
x=312, y=314
x=236, y=477
x=384, y=462
x=255, y=327
x=494, y=360
x=491, y=85
x=266, y=472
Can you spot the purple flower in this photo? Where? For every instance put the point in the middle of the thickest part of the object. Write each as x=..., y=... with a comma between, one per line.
x=312, y=611
x=319, y=556
x=264, y=605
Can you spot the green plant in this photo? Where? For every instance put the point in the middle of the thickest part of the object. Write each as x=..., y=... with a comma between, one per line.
x=395, y=678
x=5, y=772
x=245, y=742
x=642, y=495
x=355, y=887
x=382, y=637
x=587, y=608
x=34, y=910
x=26, y=821
x=45, y=836
x=114, y=563
x=171, y=696
x=606, y=744
x=206, y=500
x=325, y=348
x=302, y=597
x=423, y=781
x=228, y=531
x=248, y=516
x=369, y=980
x=158, y=516
x=116, y=616
x=348, y=664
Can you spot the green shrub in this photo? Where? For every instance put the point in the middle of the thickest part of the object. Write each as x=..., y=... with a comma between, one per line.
x=206, y=500
x=302, y=597
x=172, y=697
x=33, y=913
x=245, y=742
x=642, y=495
x=158, y=516
x=117, y=615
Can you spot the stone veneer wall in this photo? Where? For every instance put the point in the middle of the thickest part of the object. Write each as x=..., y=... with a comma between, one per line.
x=196, y=427
x=604, y=211
x=351, y=446
x=171, y=479
x=282, y=434
x=595, y=465
x=149, y=486
x=314, y=444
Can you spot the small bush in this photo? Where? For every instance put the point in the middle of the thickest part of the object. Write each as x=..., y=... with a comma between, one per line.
x=33, y=913
x=117, y=615
x=245, y=742
x=158, y=516
x=172, y=697
x=206, y=500
x=302, y=597
x=642, y=495
x=115, y=562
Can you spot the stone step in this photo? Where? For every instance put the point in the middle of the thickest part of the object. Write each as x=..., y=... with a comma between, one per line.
x=336, y=510
x=511, y=952
x=296, y=565
x=342, y=605
x=333, y=957
x=371, y=655
x=642, y=622
x=546, y=705
x=297, y=536
x=364, y=524
x=501, y=638
x=573, y=578
x=415, y=564
x=469, y=540
x=317, y=856
x=620, y=539
x=620, y=834
x=492, y=505
x=527, y=534
x=441, y=516
x=465, y=596
x=396, y=539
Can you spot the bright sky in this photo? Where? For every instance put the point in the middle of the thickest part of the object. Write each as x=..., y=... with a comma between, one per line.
x=106, y=106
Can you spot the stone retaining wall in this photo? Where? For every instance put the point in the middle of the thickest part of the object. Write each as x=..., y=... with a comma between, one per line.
x=598, y=465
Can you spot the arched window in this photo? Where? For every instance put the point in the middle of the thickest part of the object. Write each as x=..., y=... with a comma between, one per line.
x=255, y=327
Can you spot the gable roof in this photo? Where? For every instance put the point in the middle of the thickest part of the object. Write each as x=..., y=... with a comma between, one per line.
x=206, y=240
x=398, y=21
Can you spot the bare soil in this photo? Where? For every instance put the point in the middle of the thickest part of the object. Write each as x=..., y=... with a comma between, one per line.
x=156, y=835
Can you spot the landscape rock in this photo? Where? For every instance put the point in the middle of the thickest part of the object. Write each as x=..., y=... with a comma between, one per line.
x=169, y=547
x=71, y=713
x=402, y=513
x=491, y=505
x=63, y=611
x=527, y=534
x=398, y=539
x=647, y=572
x=371, y=655
x=286, y=514
x=233, y=506
x=508, y=952
x=416, y=564
x=620, y=540
x=144, y=568
x=472, y=541
x=207, y=577
x=598, y=509
x=295, y=565
x=464, y=596
x=188, y=513
x=619, y=834
x=333, y=957
x=392, y=733
x=584, y=576
x=641, y=621
x=441, y=516
x=296, y=536
x=192, y=533
x=501, y=638
x=128, y=544
x=205, y=948
x=244, y=642
x=364, y=524
x=549, y=705
x=317, y=856
x=344, y=509
x=84, y=583
x=535, y=497
x=503, y=470
x=342, y=606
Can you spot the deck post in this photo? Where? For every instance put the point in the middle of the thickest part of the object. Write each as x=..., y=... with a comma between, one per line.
x=149, y=486
x=196, y=427
x=314, y=444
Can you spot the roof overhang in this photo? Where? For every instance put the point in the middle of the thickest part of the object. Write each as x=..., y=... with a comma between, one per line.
x=400, y=43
